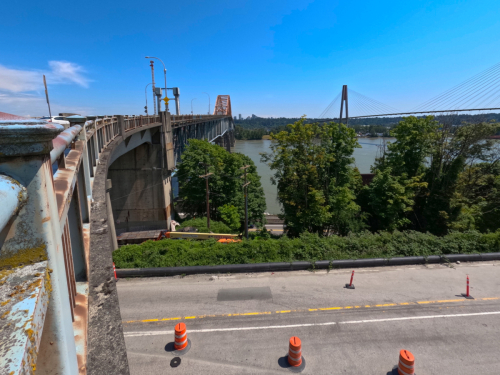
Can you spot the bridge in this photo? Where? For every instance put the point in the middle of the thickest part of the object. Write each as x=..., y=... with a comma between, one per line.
x=61, y=192
x=480, y=92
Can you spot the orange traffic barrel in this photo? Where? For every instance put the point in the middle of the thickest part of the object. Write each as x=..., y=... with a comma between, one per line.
x=406, y=365
x=295, y=352
x=181, y=340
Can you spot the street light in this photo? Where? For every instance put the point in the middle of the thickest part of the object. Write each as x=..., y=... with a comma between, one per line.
x=208, y=102
x=192, y=105
x=146, y=93
x=165, y=75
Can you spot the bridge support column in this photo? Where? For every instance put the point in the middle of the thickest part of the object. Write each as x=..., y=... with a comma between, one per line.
x=25, y=156
x=170, y=166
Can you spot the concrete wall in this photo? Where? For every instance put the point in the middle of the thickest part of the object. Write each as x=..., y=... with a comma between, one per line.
x=137, y=194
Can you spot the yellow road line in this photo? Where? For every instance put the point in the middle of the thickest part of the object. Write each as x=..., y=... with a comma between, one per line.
x=316, y=309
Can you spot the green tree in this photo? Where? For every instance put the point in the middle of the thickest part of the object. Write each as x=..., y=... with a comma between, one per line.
x=224, y=182
x=229, y=216
x=414, y=140
x=391, y=198
x=316, y=181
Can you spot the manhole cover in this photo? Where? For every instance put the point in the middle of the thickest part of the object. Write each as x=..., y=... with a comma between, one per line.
x=175, y=362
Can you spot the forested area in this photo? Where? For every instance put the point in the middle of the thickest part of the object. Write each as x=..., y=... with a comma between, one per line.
x=226, y=197
x=435, y=177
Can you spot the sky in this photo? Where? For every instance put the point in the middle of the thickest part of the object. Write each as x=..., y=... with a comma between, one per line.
x=274, y=58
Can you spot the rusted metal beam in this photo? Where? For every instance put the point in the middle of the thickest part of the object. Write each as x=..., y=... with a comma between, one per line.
x=62, y=141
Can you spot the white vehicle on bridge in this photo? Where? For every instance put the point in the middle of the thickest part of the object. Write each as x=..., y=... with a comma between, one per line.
x=57, y=120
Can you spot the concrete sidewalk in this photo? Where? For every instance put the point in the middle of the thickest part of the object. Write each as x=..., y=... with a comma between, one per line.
x=240, y=324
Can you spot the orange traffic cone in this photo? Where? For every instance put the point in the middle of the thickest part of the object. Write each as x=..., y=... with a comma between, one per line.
x=295, y=358
x=181, y=342
x=406, y=365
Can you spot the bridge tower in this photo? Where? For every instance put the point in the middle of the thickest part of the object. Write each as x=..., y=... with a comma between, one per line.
x=344, y=99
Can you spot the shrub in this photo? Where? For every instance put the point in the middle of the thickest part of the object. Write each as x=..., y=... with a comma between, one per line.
x=201, y=225
x=307, y=247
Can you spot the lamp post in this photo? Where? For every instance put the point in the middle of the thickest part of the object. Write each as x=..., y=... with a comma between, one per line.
x=192, y=105
x=208, y=102
x=165, y=75
x=146, y=94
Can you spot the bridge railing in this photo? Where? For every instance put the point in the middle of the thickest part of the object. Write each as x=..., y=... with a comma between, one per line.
x=47, y=195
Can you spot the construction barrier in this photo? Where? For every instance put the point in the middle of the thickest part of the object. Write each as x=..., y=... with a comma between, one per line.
x=181, y=340
x=406, y=365
x=295, y=352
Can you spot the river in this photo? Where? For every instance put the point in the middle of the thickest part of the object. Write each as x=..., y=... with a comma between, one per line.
x=364, y=158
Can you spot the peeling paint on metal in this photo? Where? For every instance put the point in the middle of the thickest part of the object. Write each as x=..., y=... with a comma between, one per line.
x=22, y=317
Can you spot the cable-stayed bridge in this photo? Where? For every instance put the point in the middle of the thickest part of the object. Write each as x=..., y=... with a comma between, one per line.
x=481, y=92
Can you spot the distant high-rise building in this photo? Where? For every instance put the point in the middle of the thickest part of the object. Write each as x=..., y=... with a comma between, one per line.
x=240, y=116
x=235, y=118
x=253, y=116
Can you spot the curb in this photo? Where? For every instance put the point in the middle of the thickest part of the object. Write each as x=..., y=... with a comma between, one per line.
x=298, y=266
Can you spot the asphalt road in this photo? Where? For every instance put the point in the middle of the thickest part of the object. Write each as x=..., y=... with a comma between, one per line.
x=241, y=324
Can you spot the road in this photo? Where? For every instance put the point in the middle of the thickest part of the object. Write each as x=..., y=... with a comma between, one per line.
x=275, y=228
x=240, y=324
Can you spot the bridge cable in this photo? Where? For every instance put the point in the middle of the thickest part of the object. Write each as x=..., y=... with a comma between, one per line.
x=456, y=88
x=487, y=92
x=379, y=105
x=329, y=106
x=469, y=94
x=452, y=95
x=374, y=108
x=358, y=103
x=445, y=96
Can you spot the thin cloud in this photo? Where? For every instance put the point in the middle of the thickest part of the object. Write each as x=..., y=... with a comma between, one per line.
x=61, y=72
x=67, y=72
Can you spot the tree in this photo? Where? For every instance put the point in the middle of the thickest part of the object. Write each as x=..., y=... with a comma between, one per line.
x=224, y=183
x=426, y=161
x=414, y=141
x=315, y=178
x=390, y=198
x=229, y=216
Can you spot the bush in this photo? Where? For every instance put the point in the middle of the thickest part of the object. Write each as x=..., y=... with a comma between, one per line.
x=201, y=225
x=307, y=247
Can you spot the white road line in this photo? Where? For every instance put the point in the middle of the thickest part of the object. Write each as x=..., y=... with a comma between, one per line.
x=157, y=333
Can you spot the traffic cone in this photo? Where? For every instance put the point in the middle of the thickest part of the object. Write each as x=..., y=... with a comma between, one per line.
x=295, y=359
x=181, y=342
x=406, y=365
x=466, y=294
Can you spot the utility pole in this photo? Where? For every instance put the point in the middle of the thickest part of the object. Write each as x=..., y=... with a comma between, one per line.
x=153, y=82
x=244, y=186
x=205, y=176
x=47, y=96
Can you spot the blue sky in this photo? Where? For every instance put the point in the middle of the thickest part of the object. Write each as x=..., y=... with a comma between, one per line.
x=275, y=58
